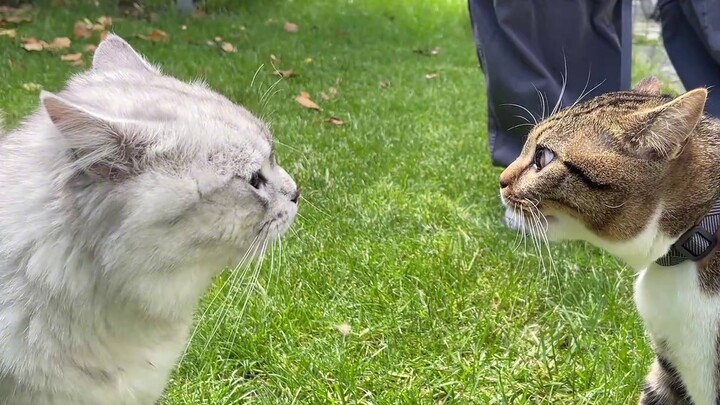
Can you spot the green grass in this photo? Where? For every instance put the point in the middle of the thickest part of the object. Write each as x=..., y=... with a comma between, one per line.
x=403, y=240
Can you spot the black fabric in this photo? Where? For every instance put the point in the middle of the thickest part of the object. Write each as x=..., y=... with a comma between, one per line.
x=691, y=34
x=526, y=46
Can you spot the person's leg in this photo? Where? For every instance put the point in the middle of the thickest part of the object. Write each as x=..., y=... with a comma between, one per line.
x=691, y=34
x=530, y=46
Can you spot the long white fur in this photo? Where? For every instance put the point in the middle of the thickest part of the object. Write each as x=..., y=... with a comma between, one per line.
x=674, y=308
x=99, y=276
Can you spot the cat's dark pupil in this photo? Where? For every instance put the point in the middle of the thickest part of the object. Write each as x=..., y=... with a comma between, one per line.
x=257, y=179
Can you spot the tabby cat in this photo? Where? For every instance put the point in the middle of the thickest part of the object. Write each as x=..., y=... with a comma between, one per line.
x=637, y=173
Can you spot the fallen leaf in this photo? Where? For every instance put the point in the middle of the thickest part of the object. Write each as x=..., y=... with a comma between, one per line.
x=431, y=75
x=308, y=60
x=210, y=43
x=286, y=73
x=304, y=100
x=32, y=44
x=290, y=27
x=78, y=63
x=384, y=84
x=31, y=86
x=331, y=94
x=274, y=58
x=105, y=21
x=344, y=329
x=335, y=121
x=90, y=48
x=59, y=44
x=81, y=30
x=98, y=27
x=228, y=47
x=71, y=57
x=218, y=39
x=156, y=36
x=10, y=33
x=183, y=27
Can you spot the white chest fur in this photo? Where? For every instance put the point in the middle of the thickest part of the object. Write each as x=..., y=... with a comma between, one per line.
x=685, y=320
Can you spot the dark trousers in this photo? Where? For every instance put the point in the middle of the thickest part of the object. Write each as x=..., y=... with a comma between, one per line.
x=529, y=48
x=691, y=34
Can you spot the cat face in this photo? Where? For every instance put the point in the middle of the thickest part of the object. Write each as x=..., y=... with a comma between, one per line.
x=598, y=171
x=164, y=173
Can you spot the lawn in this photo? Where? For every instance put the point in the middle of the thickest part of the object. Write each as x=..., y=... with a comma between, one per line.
x=398, y=283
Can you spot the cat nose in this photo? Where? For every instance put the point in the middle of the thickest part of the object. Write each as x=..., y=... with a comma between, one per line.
x=295, y=196
x=504, y=181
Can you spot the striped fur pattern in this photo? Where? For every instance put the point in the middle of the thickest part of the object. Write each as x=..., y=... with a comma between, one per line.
x=630, y=172
x=123, y=195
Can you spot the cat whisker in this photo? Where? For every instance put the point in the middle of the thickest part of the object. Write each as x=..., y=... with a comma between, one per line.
x=238, y=276
x=209, y=306
x=314, y=206
x=558, y=105
x=535, y=120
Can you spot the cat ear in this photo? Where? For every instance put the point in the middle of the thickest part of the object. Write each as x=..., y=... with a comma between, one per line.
x=662, y=132
x=649, y=85
x=114, y=53
x=104, y=148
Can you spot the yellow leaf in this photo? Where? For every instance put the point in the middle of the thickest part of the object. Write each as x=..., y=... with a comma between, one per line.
x=31, y=86
x=228, y=47
x=10, y=33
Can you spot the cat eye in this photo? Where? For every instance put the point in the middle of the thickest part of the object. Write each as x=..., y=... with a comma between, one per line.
x=543, y=157
x=257, y=179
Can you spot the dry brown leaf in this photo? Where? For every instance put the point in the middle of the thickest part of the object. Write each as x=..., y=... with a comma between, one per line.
x=335, y=121
x=32, y=44
x=290, y=27
x=228, y=47
x=78, y=63
x=98, y=27
x=31, y=86
x=10, y=33
x=304, y=100
x=156, y=36
x=71, y=57
x=431, y=75
x=90, y=48
x=59, y=44
x=16, y=18
x=81, y=30
x=286, y=73
x=384, y=84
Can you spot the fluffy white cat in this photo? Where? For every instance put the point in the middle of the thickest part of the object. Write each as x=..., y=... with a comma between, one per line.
x=122, y=196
